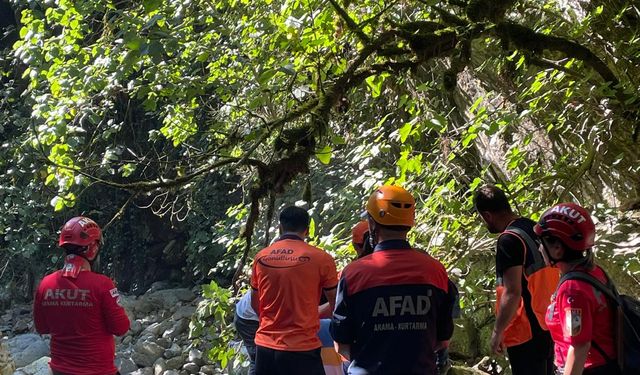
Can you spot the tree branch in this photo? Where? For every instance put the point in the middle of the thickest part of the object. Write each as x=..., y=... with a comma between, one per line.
x=351, y=24
x=524, y=38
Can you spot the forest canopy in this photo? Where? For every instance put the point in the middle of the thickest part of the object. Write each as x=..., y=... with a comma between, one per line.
x=183, y=126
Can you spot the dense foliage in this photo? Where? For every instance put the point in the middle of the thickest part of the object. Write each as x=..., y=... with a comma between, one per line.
x=213, y=115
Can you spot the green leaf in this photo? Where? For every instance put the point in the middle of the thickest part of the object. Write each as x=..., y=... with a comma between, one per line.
x=312, y=228
x=476, y=104
x=405, y=131
x=127, y=169
x=375, y=84
x=151, y=5
x=58, y=203
x=50, y=178
x=324, y=155
x=266, y=76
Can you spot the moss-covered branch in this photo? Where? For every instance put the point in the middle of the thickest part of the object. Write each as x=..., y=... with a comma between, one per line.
x=524, y=38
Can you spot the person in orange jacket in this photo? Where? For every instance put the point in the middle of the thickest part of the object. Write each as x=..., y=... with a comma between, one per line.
x=520, y=325
x=80, y=308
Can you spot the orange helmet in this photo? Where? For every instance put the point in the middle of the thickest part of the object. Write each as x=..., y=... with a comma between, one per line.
x=392, y=205
x=358, y=232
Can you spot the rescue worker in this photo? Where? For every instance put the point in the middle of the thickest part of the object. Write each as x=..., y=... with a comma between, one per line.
x=287, y=280
x=360, y=239
x=246, y=322
x=520, y=313
x=581, y=319
x=80, y=308
x=393, y=310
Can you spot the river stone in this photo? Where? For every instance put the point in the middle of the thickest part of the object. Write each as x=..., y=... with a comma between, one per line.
x=173, y=351
x=146, y=353
x=27, y=348
x=125, y=365
x=195, y=356
x=208, y=369
x=38, y=367
x=191, y=368
x=183, y=312
x=143, y=371
x=171, y=372
x=136, y=327
x=178, y=328
x=175, y=363
x=159, y=367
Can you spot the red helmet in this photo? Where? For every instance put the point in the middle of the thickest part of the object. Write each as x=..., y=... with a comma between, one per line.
x=570, y=223
x=82, y=231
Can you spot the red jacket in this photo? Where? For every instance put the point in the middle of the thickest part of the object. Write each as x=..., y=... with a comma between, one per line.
x=82, y=315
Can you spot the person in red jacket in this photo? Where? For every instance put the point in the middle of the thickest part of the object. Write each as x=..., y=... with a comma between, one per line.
x=580, y=318
x=80, y=308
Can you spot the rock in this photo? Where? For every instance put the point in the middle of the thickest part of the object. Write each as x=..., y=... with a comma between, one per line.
x=146, y=353
x=38, y=367
x=459, y=370
x=178, y=328
x=171, y=372
x=208, y=369
x=191, y=368
x=157, y=329
x=143, y=371
x=159, y=367
x=127, y=340
x=153, y=330
x=158, y=285
x=173, y=351
x=27, y=348
x=183, y=312
x=488, y=366
x=164, y=342
x=130, y=305
x=167, y=298
x=21, y=326
x=175, y=363
x=195, y=356
x=136, y=327
x=126, y=365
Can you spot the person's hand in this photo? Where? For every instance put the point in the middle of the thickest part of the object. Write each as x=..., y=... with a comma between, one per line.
x=497, y=347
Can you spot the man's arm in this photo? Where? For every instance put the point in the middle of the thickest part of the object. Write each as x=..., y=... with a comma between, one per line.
x=325, y=311
x=255, y=301
x=116, y=318
x=576, y=357
x=509, y=303
x=330, y=294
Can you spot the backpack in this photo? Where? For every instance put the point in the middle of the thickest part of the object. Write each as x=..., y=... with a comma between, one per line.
x=627, y=322
x=541, y=279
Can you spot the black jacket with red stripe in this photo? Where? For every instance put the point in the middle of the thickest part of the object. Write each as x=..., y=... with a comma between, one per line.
x=392, y=307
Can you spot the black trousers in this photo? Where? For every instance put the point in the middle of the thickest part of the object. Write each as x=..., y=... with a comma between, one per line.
x=608, y=369
x=534, y=357
x=280, y=362
x=247, y=331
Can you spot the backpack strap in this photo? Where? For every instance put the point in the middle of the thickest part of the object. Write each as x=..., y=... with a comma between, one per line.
x=608, y=289
x=531, y=246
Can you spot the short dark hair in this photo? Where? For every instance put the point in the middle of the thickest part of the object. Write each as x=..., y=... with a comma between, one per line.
x=294, y=219
x=491, y=198
x=70, y=248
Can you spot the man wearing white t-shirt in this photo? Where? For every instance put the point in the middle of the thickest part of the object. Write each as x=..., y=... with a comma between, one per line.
x=246, y=322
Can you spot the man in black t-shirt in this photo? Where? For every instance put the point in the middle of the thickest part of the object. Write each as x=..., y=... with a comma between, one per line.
x=529, y=346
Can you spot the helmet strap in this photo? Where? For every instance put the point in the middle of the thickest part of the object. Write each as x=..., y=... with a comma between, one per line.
x=552, y=261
